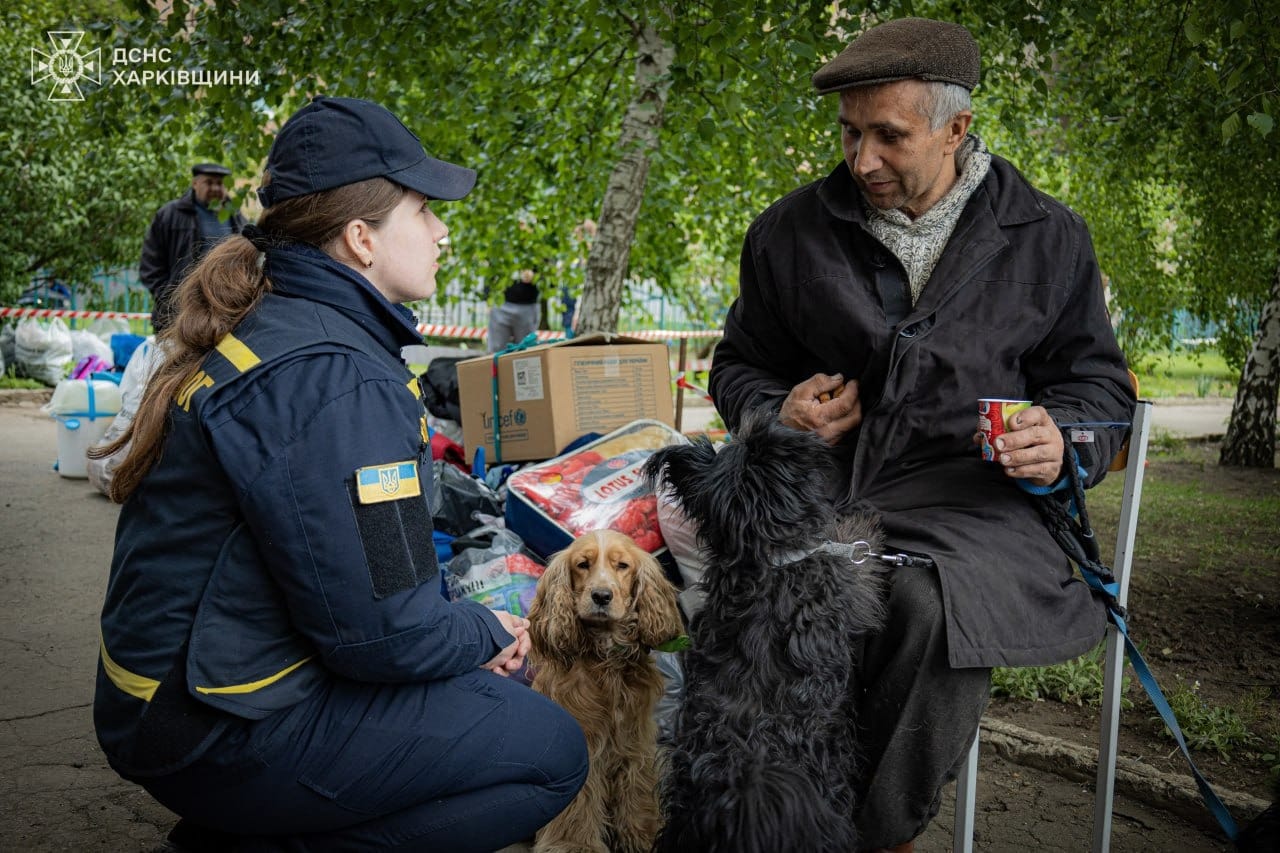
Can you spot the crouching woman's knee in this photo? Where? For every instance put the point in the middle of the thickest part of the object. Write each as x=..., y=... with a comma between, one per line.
x=565, y=763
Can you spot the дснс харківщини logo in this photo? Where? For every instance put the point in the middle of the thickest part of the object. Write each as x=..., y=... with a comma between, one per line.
x=66, y=65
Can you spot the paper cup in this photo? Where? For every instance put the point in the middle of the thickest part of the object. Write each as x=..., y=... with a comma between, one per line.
x=993, y=421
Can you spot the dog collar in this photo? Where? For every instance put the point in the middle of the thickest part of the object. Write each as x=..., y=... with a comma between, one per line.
x=858, y=552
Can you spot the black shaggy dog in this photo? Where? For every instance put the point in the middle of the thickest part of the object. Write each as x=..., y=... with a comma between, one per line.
x=764, y=752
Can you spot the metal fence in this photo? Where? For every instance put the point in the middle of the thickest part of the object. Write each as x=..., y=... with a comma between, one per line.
x=646, y=306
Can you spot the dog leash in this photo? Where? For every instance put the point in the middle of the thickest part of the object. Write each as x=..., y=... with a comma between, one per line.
x=1066, y=517
x=858, y=552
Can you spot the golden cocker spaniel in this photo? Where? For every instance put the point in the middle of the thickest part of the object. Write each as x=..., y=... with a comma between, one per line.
x=600, y=608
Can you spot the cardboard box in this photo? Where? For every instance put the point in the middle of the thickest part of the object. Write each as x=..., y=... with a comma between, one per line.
x=552, y=394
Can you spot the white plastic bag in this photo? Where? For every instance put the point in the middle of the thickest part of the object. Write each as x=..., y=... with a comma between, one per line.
x=146, y=358
x=42, y=351
x=87, y=343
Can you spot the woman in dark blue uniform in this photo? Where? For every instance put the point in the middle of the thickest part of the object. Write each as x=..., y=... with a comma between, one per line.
x=278, y=666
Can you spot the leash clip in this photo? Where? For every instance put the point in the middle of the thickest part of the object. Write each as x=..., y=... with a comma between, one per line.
x=862, y=552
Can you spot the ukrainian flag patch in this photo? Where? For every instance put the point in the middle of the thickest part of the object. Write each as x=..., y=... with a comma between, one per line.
x=378, y=483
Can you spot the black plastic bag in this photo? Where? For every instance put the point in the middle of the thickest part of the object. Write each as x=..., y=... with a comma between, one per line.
x=440, y=388
x=458, y=497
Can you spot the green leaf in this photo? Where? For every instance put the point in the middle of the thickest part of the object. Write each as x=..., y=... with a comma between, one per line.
x=1231, y=126
x=675, y=644
x=1192, y=30
x=1261, y=122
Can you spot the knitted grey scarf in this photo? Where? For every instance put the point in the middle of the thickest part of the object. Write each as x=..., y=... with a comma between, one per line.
x=919, y=242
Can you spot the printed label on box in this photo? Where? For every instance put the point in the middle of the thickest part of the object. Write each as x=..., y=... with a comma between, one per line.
x=609, y=390
x=528, y=378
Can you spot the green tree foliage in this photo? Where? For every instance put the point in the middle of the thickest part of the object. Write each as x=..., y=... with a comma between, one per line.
x=1155, y=120
x=81, y=177
x=1160, y=123
x=532, y=94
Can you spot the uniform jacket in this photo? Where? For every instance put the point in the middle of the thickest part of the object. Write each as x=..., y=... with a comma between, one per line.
x=1014, y=309
x=169, y=249
x=284, y=537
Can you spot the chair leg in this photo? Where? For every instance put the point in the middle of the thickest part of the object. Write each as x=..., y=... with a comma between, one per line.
x=966, y=800
x=1113, y=659
x=1105, y=788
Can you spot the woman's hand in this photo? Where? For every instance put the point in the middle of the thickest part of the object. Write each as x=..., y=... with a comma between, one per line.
x=512, y=657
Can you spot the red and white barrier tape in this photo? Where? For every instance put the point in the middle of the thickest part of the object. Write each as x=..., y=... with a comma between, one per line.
x=45, y=313
x=473, y=333
x=681, y=382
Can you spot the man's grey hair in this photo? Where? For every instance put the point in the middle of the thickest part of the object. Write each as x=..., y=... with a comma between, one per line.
x=943, y=101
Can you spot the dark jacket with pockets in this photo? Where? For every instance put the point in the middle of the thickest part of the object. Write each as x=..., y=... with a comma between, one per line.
x=1014, y=309
x=170, y=248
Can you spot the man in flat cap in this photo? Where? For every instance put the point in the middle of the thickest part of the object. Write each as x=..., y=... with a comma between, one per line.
x=180, y=234
x=920, y=275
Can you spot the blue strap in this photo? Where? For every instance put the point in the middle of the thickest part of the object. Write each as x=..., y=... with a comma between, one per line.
x=1082, y=549
x=1148, y=681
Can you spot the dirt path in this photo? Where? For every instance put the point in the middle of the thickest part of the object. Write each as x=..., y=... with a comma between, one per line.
x=57, y=792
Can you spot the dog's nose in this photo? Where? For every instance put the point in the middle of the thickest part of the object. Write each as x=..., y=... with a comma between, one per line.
x=601, y=596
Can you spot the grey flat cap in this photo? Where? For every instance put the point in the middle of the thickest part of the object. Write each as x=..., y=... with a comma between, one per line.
x=210, y=169
x=903, y=49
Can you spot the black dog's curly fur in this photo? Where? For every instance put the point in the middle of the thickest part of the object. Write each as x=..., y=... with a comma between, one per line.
x=764, y=753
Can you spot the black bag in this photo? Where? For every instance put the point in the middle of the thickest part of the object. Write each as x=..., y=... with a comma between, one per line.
x=440, y=388
x=458, y=498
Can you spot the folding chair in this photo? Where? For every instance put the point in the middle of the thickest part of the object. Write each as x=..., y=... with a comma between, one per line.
x=1113, y=660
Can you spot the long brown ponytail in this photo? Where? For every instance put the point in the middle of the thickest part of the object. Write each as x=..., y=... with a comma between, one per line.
x=217, y=294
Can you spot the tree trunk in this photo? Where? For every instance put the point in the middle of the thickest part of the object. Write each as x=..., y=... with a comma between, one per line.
x=1251, y=437
x=611, y=250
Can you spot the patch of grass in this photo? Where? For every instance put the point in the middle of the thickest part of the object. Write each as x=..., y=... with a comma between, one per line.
x=1076, y=682
x=1270, y=756
x=1221, y=728
x=1162, y=442
x=11, y=380
x=1194, y=523
x=1186, y=372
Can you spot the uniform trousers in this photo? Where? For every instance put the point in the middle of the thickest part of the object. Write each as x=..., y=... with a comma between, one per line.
x=470, y=763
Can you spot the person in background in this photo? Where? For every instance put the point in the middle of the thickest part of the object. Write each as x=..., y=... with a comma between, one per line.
x=278, y=665
x=518, y=315
x=876, y=306
x=568, y=310
x=181, y=233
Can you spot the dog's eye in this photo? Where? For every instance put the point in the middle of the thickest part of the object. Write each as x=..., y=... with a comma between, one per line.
x=623, y=565
x=582, y=564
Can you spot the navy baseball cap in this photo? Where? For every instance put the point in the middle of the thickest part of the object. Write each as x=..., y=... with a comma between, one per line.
x=332, y=142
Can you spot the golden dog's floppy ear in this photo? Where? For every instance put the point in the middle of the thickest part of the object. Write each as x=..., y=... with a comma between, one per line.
x=554, y=630
x=658, y=617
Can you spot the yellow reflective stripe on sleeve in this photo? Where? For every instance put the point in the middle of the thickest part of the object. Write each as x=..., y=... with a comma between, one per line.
x=254, y=685
x=134, y=685
x=234, y=351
